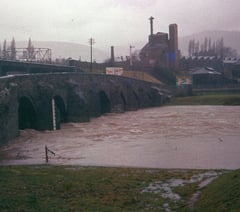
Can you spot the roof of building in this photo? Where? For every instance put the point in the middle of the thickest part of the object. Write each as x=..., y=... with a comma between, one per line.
x=204, y=70
x=201, y=58
x=229, y=60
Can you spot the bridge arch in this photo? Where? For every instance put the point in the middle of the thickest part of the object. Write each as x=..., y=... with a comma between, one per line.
x=59, y=112
x=27, y=116
x=130, y=99
x=123, y=100
x=105, y=106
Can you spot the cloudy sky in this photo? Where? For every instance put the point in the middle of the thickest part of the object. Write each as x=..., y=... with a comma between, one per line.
x=111, y=22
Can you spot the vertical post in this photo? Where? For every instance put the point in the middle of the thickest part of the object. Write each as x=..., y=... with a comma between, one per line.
x=53, y=114
x=91, y=55
x=91, y=42
x=46, y=154
x=131, y=62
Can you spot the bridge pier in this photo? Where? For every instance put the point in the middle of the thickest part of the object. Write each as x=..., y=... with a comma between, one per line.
x=55, y=98
x=8, y=113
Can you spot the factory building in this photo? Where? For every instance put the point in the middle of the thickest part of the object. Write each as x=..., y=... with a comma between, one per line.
x=161, y=49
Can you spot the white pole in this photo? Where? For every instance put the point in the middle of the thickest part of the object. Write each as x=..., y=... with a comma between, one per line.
x=131, y=62
x=54, y=114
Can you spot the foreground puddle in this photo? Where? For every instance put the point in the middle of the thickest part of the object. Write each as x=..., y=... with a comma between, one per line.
x=166, y=189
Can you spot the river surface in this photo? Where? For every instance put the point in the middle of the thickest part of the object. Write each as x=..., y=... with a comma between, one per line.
x=182, y=137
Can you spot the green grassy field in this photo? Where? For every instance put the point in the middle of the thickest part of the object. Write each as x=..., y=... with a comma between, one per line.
x=221, y=195
x=73, y=188
x=208, y=99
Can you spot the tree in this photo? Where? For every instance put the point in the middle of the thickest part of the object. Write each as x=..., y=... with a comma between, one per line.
x=13, y=50
x=5, y=53
x=205, y=49
x=221, y=47
x=196, y=48
x=229, y=52
x=210, y=48
x=209, y=44
x=30, y=50
x=191, y=47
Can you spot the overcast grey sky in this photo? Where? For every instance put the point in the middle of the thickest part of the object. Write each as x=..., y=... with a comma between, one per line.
x=112, y=22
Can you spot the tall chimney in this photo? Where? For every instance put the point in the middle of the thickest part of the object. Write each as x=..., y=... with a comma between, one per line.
x=173, y=45
x=112, y=56
x=151, y=25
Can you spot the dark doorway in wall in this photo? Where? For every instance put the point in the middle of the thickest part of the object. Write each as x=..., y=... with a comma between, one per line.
x=104, y=103
x=27, y=118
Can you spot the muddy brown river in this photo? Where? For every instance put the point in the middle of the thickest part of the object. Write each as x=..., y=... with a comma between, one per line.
x=182, y=137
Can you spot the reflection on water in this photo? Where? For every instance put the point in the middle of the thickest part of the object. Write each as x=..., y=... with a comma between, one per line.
x=163, y=137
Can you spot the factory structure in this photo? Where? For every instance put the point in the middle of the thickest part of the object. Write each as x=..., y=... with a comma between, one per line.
x=161, y=49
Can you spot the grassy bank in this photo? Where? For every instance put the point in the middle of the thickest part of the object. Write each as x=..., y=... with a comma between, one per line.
x=70, y=188
x=208, y=99
x=221, y=195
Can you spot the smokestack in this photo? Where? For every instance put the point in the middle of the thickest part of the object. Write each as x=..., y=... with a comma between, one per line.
x=112, y=56
x=151, y=25
x=173, y=45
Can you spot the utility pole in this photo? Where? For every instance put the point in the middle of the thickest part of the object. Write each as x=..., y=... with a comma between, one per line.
x=91, y=42
x=131, y=62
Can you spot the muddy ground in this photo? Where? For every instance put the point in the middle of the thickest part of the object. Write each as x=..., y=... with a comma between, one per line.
x=182, y=137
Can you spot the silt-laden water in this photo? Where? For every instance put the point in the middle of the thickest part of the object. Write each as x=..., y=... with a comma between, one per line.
x=199, y=137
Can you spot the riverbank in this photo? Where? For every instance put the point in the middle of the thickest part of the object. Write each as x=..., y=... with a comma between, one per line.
x=75, y=188
x=209, y=98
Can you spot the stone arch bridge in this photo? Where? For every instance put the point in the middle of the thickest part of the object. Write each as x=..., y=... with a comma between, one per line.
x=44, y=101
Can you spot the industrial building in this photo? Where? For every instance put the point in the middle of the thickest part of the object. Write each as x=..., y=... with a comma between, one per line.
x=161, y=49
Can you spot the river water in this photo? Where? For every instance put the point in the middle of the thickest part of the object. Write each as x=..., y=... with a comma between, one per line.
x=182, y=137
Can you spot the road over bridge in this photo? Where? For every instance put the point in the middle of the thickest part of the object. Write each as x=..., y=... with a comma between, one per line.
x=44, y=101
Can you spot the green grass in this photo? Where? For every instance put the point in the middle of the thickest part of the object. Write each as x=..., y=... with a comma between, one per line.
x=208, y=99
x=73, y=188
x=221, y=195
x=66, y=188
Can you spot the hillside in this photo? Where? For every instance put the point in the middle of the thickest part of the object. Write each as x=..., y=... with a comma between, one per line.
x=66, y=50
x=76, y=51
x=230, y=38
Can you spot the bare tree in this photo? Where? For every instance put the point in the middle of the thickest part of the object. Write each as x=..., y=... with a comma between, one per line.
x=13, y=50
x=209, y=44
x=210, y=48
x=30, y=50
x=5, y=52
x=191, y=47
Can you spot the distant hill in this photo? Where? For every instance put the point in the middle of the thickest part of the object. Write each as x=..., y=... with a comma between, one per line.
x=230, y=38
x=66, y=50
x=76, y=51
